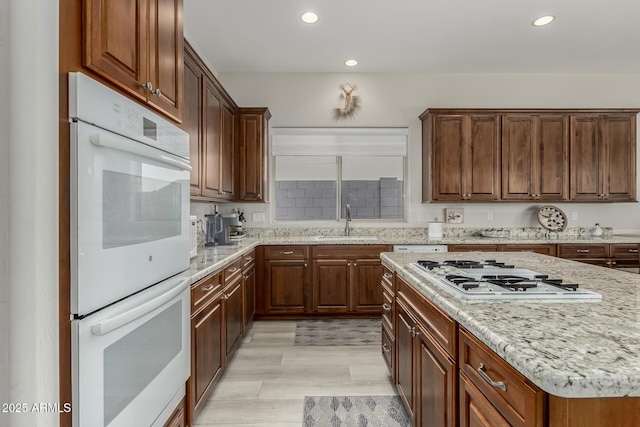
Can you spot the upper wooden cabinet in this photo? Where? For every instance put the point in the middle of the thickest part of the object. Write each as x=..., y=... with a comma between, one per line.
x=478, y=155
x=209, y=120
x=137, y=45
x=534, y=157
x=251, y=139
x=603, y=157
x=464, y=154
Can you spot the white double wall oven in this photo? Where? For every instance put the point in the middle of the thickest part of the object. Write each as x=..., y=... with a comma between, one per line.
x=130, y=236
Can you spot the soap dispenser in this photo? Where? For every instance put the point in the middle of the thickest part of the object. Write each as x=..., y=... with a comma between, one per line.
x=597, y=231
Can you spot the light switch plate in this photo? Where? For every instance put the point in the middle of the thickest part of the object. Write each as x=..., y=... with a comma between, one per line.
x=257, y=217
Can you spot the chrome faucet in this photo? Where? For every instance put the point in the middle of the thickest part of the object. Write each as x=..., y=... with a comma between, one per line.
x=347, y=228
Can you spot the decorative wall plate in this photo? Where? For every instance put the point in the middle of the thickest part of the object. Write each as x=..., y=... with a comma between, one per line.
x=552, y=218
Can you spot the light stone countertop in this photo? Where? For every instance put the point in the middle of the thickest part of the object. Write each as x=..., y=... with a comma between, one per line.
x=573, y=349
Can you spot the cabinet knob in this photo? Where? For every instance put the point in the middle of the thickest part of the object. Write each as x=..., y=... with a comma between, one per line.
x=386, y=348
x=233, y=269
x=305, y=264
x=389, y=276
x=259, y=196
x=157, y=92
x=355, y=264
x=148, y=86
x=386, y=307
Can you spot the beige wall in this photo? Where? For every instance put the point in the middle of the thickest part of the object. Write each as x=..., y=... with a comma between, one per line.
x=31, y=124
x=4, y=209
x=307, y=99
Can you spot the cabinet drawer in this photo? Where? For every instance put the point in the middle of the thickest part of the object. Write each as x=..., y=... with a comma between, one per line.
x=286, y=252
x=536, y=248
x=233, y=270
x=249, y=258
x=517, y=399
x=388, y=346
x=583, y=251
x=387, y=310
x=437, y=323
x=204, y=290
x=627, y=251
x=348, y=251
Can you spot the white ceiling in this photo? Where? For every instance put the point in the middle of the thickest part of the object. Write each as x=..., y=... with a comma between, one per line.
x=430, y=36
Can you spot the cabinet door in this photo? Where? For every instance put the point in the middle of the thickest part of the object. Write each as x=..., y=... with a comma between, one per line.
x=366, y=288
x=285, y=286
x=249, y=283
x=211, y=186
x=482, y=158
x=115, y=42
x=251, y=161
x=405, y=357
x=331, y=285
x=475, y=409
x=619, y=135
x=550, y=154
x=226, y=155
x=206, y=354
x=534, y=157
x=192, y=120
x=447, y=160
x=233, y=314
x=436, y=385
x=518, y=142
x=166, y=50
x=586, y=163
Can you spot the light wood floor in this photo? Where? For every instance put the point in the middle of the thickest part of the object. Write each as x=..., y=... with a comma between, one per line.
x=268, y=378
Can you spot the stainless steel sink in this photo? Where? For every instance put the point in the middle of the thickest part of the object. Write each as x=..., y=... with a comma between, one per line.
x=331, y=238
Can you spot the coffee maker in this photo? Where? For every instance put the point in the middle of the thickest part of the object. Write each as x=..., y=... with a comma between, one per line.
x=222, y=229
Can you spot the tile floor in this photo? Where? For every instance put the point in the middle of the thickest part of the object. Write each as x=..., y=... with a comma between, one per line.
x=267, y=379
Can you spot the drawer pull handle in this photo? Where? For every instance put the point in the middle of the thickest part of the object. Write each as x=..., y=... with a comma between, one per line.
x=497, y=384
x=389, y=276
x=249, y=258
x=386, y=348
x=286, y=253
x=414, y=333
x=386, y=307
x=583, y=251
x=207, y=288
x=233, y=270
x=633, y=251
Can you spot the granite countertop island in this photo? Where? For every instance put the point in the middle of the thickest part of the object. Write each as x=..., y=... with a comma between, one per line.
x=571, y=349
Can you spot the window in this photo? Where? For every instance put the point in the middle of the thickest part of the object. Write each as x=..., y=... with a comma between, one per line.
x=319, y=171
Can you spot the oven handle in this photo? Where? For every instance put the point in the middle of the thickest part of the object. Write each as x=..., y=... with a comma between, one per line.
x=109, y=325
x=107, y=141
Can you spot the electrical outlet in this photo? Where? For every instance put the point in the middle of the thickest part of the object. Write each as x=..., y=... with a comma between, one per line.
x=489, y=216
x=257, y=217
x=574, y=216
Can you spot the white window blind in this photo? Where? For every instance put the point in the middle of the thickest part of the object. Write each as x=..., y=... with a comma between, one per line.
x=339, y=141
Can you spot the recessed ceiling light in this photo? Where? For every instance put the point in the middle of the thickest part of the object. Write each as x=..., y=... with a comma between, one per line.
x=543, y=20
x=309, y=18
x=351, y=62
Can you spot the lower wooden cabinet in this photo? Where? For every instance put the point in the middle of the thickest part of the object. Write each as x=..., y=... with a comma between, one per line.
x=475, y=409
x=207, y=357
x=286, y=286
x=427, y=374
x=178, y=417
x=322, y=279
x=233, y=307
x=249, y=291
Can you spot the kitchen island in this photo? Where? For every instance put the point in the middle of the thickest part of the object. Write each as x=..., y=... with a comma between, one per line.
x=584, y=355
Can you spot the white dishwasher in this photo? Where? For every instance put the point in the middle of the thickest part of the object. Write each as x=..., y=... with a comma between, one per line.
x=419, y=249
